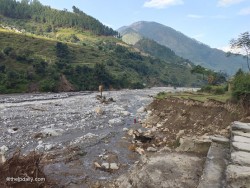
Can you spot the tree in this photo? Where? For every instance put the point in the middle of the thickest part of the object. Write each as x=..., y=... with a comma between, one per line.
x=243, y=43
x=200, y=70
x=62, y=51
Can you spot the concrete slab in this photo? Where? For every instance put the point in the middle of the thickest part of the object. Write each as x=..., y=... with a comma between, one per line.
x=241, y=133
x=219, y=139
x=245, y=127
x=241, y=139
x=239, y=146
x=241, y=158
x=215, y=166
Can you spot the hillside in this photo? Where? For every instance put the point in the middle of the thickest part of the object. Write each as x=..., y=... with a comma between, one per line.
x=183, y=46
x=153, y=48
x=35, y=57
x=27, y=14
x=33, y=63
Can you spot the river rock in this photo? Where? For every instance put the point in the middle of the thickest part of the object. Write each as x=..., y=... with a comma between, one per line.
x=141, y=110
x=125, y=113
x=151, y=149
x=115, y=121
x=125, y=129
x=105, y=165
x=241, y=158
x=2, y=158
x=114, y=166
x=159, y=125
x=51, y=132
x=12, y=130
x=40, y=142
x=39, y=147
x=130, y=132
x=149, y=112
x=140, y=150
x=99, y=111
x=179, y=134
x=3, y=149
x=48, y=147
x=97, y=165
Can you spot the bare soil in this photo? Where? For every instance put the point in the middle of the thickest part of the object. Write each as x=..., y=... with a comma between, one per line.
x=190, y=118
x=24, y=167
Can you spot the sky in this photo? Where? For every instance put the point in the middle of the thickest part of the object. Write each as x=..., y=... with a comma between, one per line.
x=212, y=22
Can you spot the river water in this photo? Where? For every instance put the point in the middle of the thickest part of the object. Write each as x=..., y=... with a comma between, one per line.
x=57, y=124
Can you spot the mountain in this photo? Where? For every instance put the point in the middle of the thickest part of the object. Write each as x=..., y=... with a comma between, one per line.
x=43, y=49
x=186, y=47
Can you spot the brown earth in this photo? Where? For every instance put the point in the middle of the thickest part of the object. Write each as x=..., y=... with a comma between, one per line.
x=172, y=118
x=65, y=85
x=23, y=167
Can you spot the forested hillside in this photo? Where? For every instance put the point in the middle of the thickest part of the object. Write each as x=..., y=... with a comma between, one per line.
x=33, y=10
x=155, y=49
x=41, y=63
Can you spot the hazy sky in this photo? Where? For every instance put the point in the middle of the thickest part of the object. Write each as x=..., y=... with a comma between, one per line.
x=213, y=22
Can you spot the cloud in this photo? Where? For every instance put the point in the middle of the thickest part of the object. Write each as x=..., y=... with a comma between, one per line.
x=195, y=16
x=245, y=11
x=225, y=3
x=162, y=3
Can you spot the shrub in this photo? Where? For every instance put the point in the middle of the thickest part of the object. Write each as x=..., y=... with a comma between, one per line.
x=206, y=88
x=48, y=85
x=7, y=50
x=161, y=95
x=219, y=91
x=137, y=85
x=241, y=85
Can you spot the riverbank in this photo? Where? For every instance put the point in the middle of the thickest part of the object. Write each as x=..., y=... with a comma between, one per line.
x=86, y=143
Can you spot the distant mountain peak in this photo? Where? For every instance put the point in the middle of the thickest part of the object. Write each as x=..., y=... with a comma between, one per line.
x=184, y=46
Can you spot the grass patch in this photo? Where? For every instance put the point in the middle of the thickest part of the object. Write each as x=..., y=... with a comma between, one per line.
x=201, y=97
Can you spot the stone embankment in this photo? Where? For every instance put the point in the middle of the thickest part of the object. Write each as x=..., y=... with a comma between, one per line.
x=238, y=170
x=228, y=161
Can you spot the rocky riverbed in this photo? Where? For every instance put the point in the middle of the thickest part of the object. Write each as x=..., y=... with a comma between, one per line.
x=80, y=137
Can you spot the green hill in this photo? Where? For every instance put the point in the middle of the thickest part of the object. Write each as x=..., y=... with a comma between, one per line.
x=37, y=57
x=188, y=48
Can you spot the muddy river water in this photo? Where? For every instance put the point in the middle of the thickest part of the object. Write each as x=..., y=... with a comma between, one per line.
x=74, y=130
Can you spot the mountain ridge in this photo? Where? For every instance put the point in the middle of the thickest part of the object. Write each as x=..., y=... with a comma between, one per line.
x=184, y=46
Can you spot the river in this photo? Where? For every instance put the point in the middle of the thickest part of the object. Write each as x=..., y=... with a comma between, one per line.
x=65, y=124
